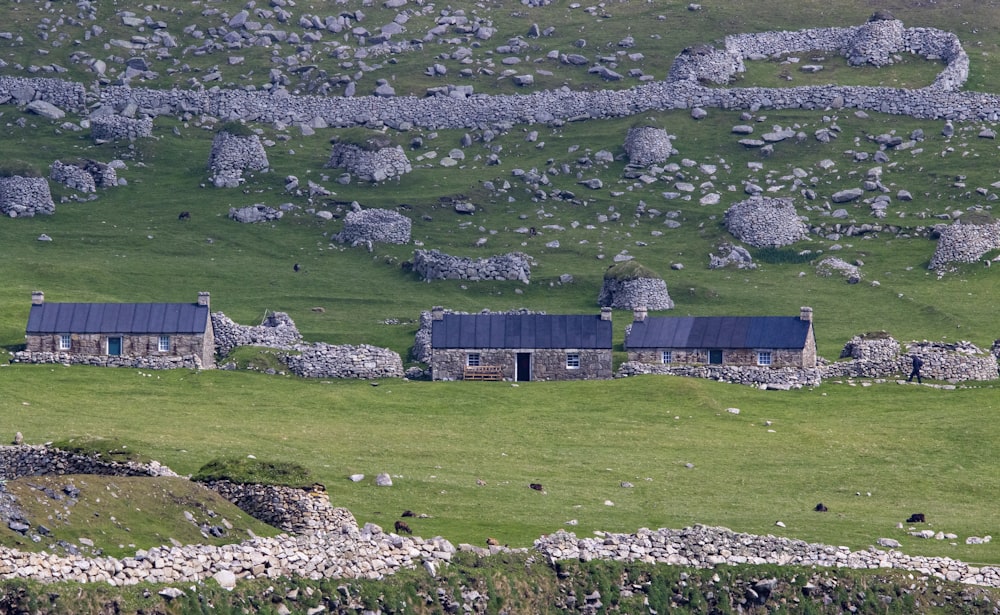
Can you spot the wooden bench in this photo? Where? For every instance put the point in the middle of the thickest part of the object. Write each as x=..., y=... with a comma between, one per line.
x=483, y=372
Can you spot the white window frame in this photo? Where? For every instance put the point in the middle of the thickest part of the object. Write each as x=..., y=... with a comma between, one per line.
x=473, y=359
x=667, y=356
x=764, y=358
x=65, y=341
x=163, y=343
x=572, y=360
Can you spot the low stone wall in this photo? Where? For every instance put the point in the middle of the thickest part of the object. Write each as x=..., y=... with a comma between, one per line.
x=327, y=361
x=370, y=165
x=252, y=214
x=435, y=265
x=25, y=197
x=72, y=176
x=765, y=377
x=292, y=510
x=368, y=226
x=66, y=95
x=881, y=358
x=231, y=155
x=964, y=243
x=650, y=293
x=765, y=222
x=276, y=330
x=36, y=460
x=151, y=362
x=111, y=127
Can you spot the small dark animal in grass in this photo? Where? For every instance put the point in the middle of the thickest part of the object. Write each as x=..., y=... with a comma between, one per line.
x=532, y=232
x=820, y=507
x=296, y=267
x=403, y=528
x=537, y=487
x=492, y=542
x=916, y=518
x=408, y=513
x=184, y=215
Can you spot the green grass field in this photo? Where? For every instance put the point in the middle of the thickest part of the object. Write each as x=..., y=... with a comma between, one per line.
x=915, y=449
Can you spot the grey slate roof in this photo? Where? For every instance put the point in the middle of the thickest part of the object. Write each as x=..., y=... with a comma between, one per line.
x=718, y=332
x=117, y=318
x=521, y=331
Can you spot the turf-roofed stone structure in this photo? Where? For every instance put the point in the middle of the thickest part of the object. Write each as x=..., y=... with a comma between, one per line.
x=760, y=341
x=146, y=335
x=520, y=347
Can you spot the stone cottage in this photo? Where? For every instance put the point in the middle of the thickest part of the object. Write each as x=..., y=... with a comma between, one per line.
x=765, y=341
x=148, y=335
x=520, y=347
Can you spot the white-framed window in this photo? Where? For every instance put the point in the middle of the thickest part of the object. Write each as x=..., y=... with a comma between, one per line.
x=763, y=357
x=667, y=356
x=573, y=360
x=472, y=359
x=164, y=343
x=65, y=341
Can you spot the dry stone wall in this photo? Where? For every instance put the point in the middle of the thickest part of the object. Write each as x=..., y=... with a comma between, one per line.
x=346, y=361
x=135, y=362
x=764, y=377
x=435, y=265
x=766, y=222
x=369, y=226
x=231, y=155
x=964, y=243
x=370, y=165
x=650, y=293
x=23, y=90
x=35, y=460
x=112, y=127
x=646, y=145
x=884, y=357
x=286, y=508
x=276, y=330
x=25, y=197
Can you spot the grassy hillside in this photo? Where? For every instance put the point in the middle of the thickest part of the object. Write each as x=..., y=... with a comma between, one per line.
x=914, y=449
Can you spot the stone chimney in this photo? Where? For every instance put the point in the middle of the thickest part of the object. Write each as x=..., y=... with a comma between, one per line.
x=639, y=314
x=37, y=297
x=605, y=313
x=203, y=298
x=806, y=314
x=437, y=313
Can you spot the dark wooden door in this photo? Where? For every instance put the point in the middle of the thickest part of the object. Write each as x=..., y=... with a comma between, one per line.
x=524, y=367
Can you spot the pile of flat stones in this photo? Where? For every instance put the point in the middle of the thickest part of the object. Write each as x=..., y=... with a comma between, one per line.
x=85, y=176
x=729, y=254
x=39, y=460
x=964, y=243
x=766, y=222
x=25, y=197
x=837, y=266
x=647, y=145
x=321, y=360
x=369, y=165
x=650, y=293
x=277, y=330
x=783, y=378
x=231, y=155
x=368, y=226
x=255, y=213
x=112, y=127
x=435, y=265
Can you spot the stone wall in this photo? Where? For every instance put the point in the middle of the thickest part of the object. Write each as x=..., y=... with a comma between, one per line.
x=151, y=362
x=33, y=460
x=368, y=226
x=286, y=508
x=24, y=197
x=765, y=222
x=66, y=95
x=646, y=145
x=276, y=330
x=370, y=165
x=964, y=243
x=72, y=176
x=327, y=361
x=435, y=265
x=251, y=214
x=113, y=127
x=884, y=357
x=546, y=364
x=765, y=377
x=650, y=293
x=231, y=155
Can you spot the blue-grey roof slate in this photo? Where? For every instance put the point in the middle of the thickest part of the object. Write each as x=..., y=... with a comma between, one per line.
x=521, y=331
x=117, y=318
x=718, y=332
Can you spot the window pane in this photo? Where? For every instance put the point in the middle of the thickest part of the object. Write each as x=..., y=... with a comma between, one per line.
x=668, y=356
x=164, y=343
x=473, y=359
x=572, y=360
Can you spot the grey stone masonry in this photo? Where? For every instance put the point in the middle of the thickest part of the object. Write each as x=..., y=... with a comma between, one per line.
x=881, y=356
x=370, y=165
x=66, y=95
x=435, y=265
x=84, y=176
x=231, y=155
x=782, y=378
x=327, y=361
x=276, y=330
x=766, y=222
x=254, y=213
x=650, y=293
x=109, y=128
x=369, y=226
x=646, y=145
x=25, y=197
x=286, y=508
x=964, y=243
x=34, y=460
x=187, y=361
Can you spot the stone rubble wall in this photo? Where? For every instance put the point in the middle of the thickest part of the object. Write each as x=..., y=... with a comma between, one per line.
x=292, y=510
x=882, y=358
x=251, y=213
x=276, y=330
x=112, y=127
x=37, y=460
x=150, y=362
x=25, y=197
x=365, y=226
x=964, y=243
x=327, y=361
x=72, y=176
x=650, y=293
x=66, y=95
x=371, y=166
x=784, y=378
x=703, y=546
x=766, y=222
x=435, y=265
x=646, y=145
x=231, y=155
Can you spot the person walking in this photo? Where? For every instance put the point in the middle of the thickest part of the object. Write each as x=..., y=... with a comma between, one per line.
x=917, y=364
